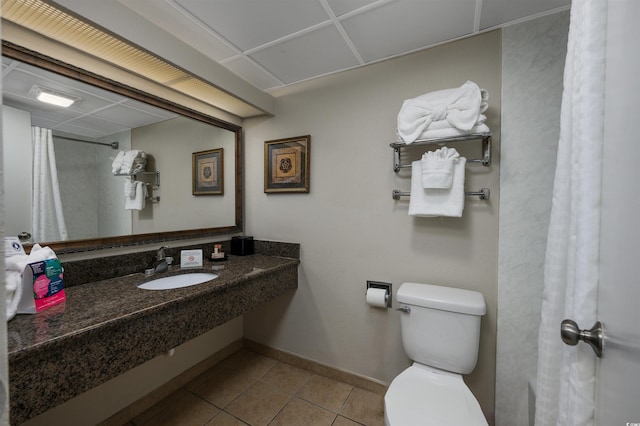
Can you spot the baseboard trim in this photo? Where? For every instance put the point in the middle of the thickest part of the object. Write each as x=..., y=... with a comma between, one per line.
x=353, y=379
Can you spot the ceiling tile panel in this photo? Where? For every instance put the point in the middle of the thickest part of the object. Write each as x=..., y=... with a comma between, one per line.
x=340, y=7
x=252, y=73
x=183, y=25
x=319, y=52
x=497, y=12
x=407, y=25
x=249, y=23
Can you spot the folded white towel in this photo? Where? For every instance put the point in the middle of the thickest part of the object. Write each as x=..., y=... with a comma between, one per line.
x=437, y=167
x=129, y=187
x=14, y=268
x=117, y=163
x=437, y=202
x=461, y=108
x=139, y=200
x=438, y=132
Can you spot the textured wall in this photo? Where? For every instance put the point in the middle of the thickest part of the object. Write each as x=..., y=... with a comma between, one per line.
x=533, y=56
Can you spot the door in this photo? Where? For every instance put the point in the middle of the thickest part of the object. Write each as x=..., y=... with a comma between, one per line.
x=618, y=375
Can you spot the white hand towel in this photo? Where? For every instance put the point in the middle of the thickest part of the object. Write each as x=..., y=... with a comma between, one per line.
x=129, y=187
x=461, y=108
x=437, y=202
x=137, y=202
x=14, y=267
x=437, y=168
x=117, y=163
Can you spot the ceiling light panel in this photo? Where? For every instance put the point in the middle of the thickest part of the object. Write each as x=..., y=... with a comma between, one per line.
x=248, y=27
x=408, y=25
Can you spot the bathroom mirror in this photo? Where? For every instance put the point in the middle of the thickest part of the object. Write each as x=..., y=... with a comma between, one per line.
x=169, y=133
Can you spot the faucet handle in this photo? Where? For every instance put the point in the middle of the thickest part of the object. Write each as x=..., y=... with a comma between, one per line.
x=160, y=254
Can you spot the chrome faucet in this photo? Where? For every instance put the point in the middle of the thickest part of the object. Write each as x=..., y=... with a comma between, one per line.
x=160, y=255
x=160, y=264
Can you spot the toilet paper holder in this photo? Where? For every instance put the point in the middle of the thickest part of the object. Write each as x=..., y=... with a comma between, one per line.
x=383, y=286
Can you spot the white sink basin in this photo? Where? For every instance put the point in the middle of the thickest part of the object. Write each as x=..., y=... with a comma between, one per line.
x=178, y=281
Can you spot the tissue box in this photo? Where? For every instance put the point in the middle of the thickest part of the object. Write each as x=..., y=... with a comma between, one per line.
x=42, y=286
x=241, y=246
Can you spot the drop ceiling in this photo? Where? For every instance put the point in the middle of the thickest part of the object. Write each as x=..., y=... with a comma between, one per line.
x=275, y=43
x=270, y=44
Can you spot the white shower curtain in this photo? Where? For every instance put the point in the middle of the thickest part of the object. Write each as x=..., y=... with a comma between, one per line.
x=48, y=218
x=566, y=375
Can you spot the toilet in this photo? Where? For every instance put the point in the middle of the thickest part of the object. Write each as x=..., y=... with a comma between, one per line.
x=440, y=334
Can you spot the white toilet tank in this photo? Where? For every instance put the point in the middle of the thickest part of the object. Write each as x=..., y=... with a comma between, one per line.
x=442, y=329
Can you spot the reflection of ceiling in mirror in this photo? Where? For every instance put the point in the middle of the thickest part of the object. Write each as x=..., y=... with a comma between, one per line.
x=96, y=114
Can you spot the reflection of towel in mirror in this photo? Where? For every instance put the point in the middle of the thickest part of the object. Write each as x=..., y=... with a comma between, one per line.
x=137, y=202
x=133, y=161
x=14, y=267
x=129, y=187
x=117, y=163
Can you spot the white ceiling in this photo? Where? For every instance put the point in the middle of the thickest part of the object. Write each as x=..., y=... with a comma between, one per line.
x=275, y=43
x=269, y=43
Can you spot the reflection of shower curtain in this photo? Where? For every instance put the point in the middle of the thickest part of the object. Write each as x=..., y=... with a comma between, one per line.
x=566, y=375
x=48, y=219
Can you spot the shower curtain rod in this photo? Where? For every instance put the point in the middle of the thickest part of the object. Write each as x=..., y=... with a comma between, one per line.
x=113, y=145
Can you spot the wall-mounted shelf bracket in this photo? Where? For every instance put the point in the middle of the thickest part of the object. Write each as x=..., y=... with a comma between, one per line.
x=484, y=137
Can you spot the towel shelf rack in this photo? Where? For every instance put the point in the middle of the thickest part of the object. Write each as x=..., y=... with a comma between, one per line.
x=483, y=194
x=156, y=185
x=484, y=137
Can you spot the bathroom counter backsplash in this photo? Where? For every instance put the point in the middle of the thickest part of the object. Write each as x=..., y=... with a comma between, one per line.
x=95, y=303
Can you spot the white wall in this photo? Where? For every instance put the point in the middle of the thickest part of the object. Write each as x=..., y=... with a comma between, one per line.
x=16, y=166
x=349, y=227
x=532, y=71
x=170, y=145
x=113, y=219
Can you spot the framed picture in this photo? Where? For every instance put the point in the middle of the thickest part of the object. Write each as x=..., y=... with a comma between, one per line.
x=286, y=165
x=208, y=172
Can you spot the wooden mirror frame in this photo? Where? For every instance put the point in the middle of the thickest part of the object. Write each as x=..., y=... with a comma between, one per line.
x=37, y=59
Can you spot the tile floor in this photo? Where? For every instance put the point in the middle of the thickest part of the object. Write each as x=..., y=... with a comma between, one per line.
x=252, y=389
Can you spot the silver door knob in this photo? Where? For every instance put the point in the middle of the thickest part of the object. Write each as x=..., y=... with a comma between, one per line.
x=571, y=335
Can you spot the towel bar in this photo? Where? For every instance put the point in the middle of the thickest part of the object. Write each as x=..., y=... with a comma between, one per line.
x=483, y=194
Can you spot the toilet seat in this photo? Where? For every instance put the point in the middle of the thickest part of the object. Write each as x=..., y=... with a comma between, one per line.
x=426, y=396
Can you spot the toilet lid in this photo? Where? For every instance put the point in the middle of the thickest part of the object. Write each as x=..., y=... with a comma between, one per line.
x=422, y=396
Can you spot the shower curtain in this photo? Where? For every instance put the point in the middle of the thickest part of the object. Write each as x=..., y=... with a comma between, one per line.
x=566, y=375
x=47, y=218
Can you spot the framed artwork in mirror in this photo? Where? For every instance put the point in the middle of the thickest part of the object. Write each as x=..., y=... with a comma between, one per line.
x=286, y=164
x=208, y=172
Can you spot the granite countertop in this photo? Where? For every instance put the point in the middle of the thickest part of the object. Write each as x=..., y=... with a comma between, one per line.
x=107, y=327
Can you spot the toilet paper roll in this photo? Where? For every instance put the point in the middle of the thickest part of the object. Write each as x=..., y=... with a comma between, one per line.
x=377, y=297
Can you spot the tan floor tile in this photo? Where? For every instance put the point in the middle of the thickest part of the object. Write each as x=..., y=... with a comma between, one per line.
x=343, y=421
x=259, y=404
x=250, y=363
x=181, y=407
x=221, y=388
x=364, y=407
x=301, y=412
x=286, y=377
x=325, y=392
x=225, y=419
